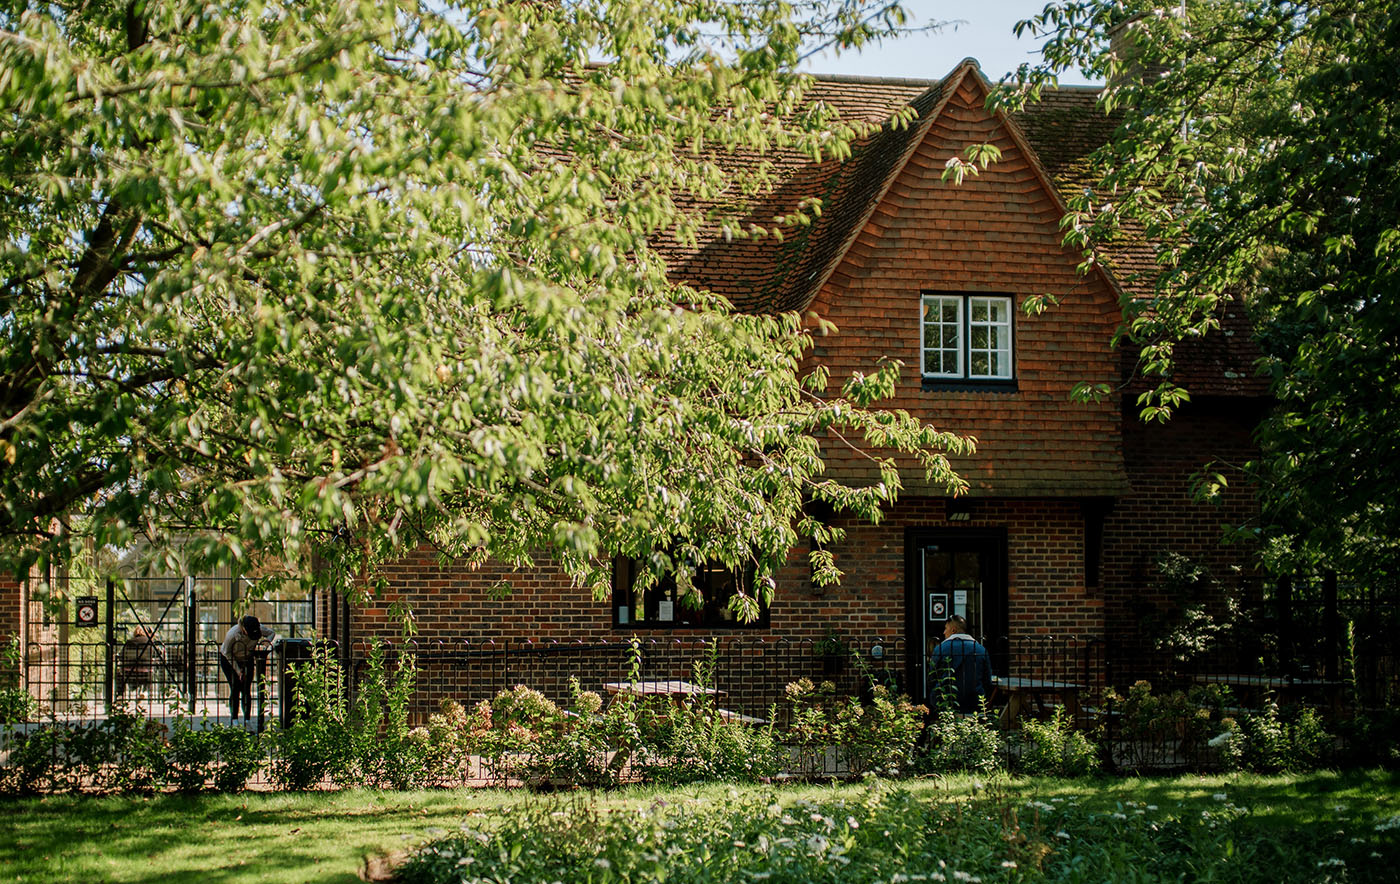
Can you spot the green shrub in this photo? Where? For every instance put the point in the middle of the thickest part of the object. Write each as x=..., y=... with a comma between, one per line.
x=16, y=705
x=695, y=744
x=240, y=755
x=1055, y=748
x=1150, y=728
x=963, y=743
x=698, y=742
x=1371, y=738
x=192, y=756
x=386, y=751
x=881, y=735
x=320, y=744
x=1266, y=742
x=38, y=761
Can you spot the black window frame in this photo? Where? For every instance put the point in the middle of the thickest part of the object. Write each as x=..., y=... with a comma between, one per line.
x=964, y=381
x=710, y=615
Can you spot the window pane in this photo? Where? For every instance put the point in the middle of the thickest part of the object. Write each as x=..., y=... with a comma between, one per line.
x=942, y=335
x=989, y=329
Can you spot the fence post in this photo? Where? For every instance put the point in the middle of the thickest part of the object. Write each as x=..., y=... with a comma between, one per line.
x=191, y=639
x=1284, y=601
x=110, y=651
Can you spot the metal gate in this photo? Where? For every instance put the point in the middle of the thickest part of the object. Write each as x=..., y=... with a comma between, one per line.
x=148, y=643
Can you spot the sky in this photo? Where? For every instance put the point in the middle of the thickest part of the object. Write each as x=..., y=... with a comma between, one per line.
x=984, y=34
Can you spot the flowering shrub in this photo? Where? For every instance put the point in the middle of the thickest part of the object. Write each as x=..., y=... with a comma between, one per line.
x=879, y=736
x=576, y=749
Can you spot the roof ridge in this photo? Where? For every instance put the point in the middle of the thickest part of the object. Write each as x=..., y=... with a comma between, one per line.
x=865, y=79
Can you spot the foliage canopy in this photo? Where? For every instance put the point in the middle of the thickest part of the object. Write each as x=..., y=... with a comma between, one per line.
x=343, y=277
x=1258, y=153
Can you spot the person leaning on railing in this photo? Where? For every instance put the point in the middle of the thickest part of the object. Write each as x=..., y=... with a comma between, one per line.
x=236, y=660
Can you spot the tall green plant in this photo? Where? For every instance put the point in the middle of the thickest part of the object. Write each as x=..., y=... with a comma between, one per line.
x=319, y=744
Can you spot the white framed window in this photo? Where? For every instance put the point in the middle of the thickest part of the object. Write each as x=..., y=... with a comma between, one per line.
x=966, y=337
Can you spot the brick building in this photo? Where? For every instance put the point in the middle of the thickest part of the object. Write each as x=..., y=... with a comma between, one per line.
x=1071, y=504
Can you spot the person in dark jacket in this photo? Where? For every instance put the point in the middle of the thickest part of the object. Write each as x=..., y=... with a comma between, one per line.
x=236, y=660
x=959, y=670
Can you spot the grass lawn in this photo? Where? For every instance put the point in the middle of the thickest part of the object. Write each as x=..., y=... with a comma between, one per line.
x=326, y=837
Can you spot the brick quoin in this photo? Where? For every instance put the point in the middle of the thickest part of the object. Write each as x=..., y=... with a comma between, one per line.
x=11, y=606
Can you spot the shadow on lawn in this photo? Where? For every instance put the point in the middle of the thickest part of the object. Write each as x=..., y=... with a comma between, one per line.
x=215, y=838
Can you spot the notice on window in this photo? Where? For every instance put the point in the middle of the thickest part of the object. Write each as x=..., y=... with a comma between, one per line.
x=665, y=611
x=622, y=615
x=960, y=602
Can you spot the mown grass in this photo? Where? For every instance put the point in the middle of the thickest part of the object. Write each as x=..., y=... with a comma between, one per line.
x=326, y=837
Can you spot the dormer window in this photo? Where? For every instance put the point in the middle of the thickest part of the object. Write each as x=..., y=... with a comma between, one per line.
x=966, y=338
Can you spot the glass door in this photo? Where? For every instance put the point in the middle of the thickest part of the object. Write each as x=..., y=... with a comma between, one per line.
x=954, y=572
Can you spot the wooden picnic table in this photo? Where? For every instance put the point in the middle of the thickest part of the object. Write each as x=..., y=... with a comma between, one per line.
x=679, y=691
x=1288, y=689
x=676, y=689
x=1024, y=693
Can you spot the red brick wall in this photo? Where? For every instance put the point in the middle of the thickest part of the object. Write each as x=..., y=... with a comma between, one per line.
x=10, y=606
x=996, y=233
x=1046, y=586
x=1158, y=516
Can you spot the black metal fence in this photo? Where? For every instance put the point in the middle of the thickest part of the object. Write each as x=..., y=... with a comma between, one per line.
x=1081, y=680
x=748, y=675
x=144, y=644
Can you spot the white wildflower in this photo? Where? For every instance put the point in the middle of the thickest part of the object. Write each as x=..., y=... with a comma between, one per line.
x=1062, y=834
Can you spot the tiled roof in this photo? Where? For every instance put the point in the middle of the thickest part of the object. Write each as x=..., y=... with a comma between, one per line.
x=772, y=274
x=767, y=275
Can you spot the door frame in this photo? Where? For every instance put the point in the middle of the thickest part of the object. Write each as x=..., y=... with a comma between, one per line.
x=997, y=620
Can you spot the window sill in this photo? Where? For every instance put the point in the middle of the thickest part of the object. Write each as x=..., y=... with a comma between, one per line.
x=726, y=626
x=950, y=385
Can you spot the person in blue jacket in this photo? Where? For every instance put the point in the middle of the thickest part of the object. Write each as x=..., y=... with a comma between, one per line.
x=959, y=672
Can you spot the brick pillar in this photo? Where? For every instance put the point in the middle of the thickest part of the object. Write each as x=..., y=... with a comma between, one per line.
x=11, y=606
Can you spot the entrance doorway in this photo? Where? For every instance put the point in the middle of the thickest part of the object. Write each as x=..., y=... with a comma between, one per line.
x=950, y=572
